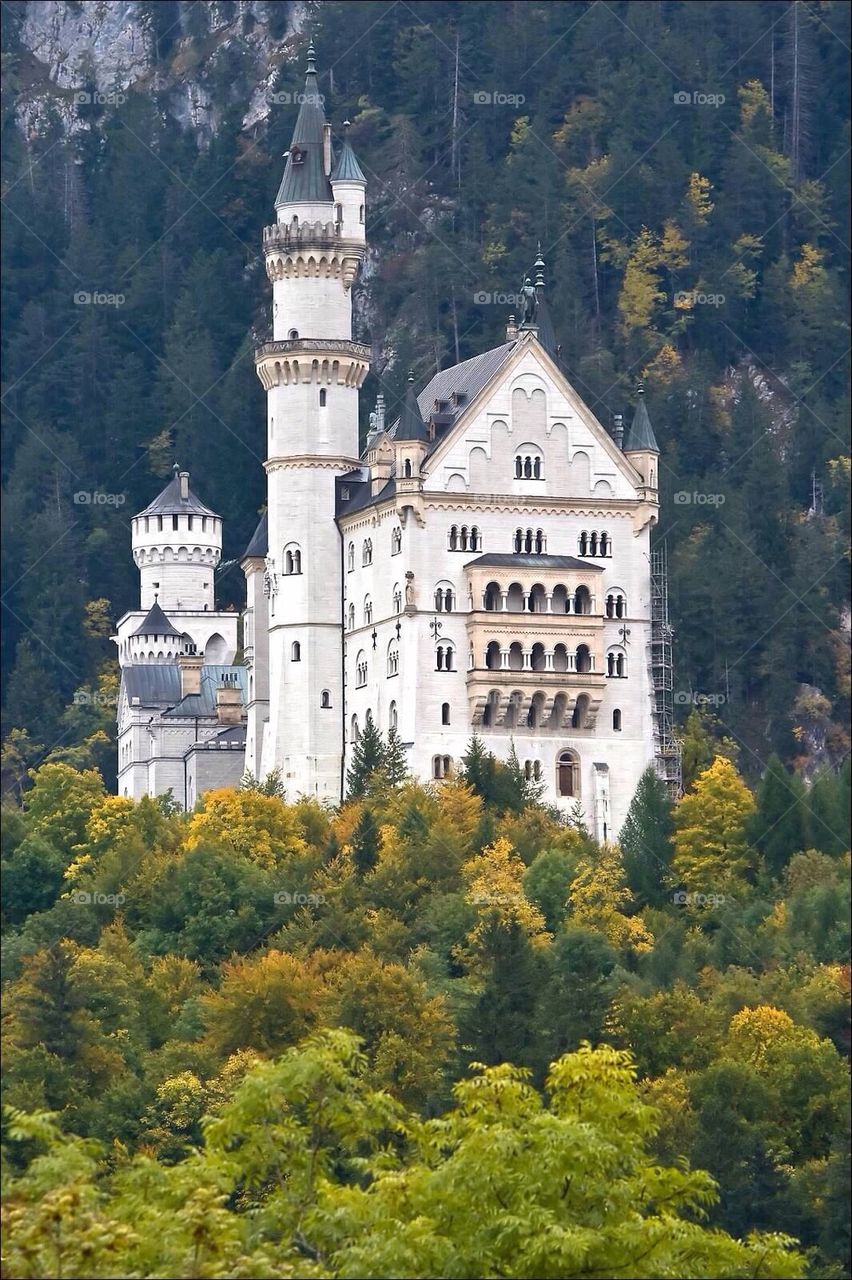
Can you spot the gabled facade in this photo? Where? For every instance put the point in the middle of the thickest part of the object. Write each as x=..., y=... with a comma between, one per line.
x=484, y=566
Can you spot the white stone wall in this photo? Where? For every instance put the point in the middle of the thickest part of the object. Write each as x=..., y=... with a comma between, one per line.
x=213, y=631
x=176, y=566
x=256, y=650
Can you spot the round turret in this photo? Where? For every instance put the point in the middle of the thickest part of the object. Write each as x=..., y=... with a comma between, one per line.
x=177, y=544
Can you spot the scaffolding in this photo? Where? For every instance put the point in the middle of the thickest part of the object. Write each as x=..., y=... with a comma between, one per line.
x=667, y=746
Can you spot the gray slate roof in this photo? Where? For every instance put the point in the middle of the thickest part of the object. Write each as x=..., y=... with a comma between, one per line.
x=640, y=433
x=467, y=379
x=259, y=544
x=526, y=560
x=347, y=168
x=157, y=685
x=307, y=181
x=170, y=503
x=155, y=623
x=411, y=425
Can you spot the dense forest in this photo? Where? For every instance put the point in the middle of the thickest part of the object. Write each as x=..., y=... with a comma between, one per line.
x=438, y=1031
x=685, y=167
x=435, y=1033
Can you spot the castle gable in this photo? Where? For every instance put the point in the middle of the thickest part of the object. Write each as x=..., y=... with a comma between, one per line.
x=527, y=431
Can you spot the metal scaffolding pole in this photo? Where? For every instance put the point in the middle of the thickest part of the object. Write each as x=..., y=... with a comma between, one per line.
x=667, y=746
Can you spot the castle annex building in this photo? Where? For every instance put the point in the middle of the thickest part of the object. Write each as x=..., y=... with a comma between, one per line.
x=483, y=566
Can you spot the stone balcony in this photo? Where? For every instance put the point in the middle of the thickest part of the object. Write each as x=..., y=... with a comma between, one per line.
x=323, y=360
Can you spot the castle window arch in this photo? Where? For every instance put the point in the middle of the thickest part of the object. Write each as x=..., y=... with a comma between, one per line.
x=367, y=552
x=322, y=397
x=444, y=597
x=580, y=715
x=445, y=713
x=406, y=470
x=292, y=559
x=615, y=605
x=582, y=600
x=368, y=611
x=396, y=542
x=616, y=662
x=445, y=657
x=293, y=335
x=393, y=659
x=616, y=720
x=295, y=652
x=442, y=767
x=529, y=463
x=351, y=618
x=325, y=700
x=360, y=213
x=355, y=732
x=350, y=557
x=338, y=213
x=361, y=670
x=568, y=775
x=397, y=598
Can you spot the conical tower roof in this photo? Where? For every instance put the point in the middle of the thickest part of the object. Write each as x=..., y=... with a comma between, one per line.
x=640, y=436
x=305, y=179
x=411, y=426
x=347, y=168
x=155, y=623
x=171, y=503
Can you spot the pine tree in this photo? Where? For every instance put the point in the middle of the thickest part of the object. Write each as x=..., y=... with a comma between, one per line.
x=778, y=826
x=828, y=813
x=394, y=763
x=365, y=843
x=645, y=840
x=368, y=755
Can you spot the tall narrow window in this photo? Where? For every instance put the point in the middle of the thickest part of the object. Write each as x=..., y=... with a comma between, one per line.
x=325, y=700
x=616, y=720
x=322, y=398
x=296, y=652
x=445, y=713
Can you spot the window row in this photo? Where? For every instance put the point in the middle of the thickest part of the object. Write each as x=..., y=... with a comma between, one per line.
x=530, y=541
x=515, y=599
x=355, y=728
x=461, y=538
x=174, y=523
x=508, y=712
x=529, y=464
x=517, y=658
x=595, y=544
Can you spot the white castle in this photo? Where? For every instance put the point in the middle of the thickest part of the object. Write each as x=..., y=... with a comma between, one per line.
x=482, y=567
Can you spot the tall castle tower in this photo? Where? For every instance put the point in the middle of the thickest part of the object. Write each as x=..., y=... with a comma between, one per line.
x=311, y=371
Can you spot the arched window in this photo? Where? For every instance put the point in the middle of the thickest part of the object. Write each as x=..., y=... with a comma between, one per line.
x=397, y=598
x=529, y=464
x=368, y=611
x=367, y=552
x=568, y=774
x=492, y=597
x=606, y=544
x=406, y=470
x=393, y=719
x=293, y=335
x=463, y=536
x=579, y=717
x=583, y=659
x=584, y=544
x=338, y=213
x=493, y=656
x=475, y=540
x=295, y=652
x=361, y=670
x=444, y=658
x=361, y=213
x=292, y=560
x=355, y=734
x=396, y=542
x=540, y=542
x=322, y=398
x=351, y=617
x=442, y=767
x=582, y=600
x=518, y=542
x=616, y=720
x=350, y=557
x=393, y=660
x=444, y=598
x=593, y=544
x=445, y=713
x=325, y=700
x=453, y=540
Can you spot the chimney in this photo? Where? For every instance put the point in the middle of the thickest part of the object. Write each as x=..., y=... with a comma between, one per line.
x=380, y=412
x=511, y=330
x=618, y=429
x=326, y=148
x=229, y=704
x=184, y=485
x=189, y=664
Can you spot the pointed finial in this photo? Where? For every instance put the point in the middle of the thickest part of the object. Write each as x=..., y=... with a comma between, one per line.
x=312, y=53
x=347, y=124
x=640, y=390
x=176, y=469
x=539, y=268
x=410, y=375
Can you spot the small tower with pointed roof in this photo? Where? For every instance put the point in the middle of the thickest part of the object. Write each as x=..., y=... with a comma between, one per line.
x=411, y=441
x=312, y=371
x=640, y=446
x=177, y=544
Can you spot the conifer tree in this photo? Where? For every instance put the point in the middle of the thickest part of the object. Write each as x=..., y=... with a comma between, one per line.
x=368, y=755
x=394, y=763
x=778, y=826
x=365, y=843
x=645, y=840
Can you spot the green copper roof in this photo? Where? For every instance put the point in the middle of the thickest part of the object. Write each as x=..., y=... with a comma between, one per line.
x=304, y=176
x=411, y=426
x=640, y=434
x=347, y=168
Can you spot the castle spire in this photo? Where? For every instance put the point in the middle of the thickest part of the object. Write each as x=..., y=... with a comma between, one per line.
x=640, y=434
x=305, y=180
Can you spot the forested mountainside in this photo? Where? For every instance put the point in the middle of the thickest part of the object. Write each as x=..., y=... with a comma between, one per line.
x=685, y=168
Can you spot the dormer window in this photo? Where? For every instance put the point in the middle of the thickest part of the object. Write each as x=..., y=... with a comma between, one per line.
x=458, y=399
x=297, y=155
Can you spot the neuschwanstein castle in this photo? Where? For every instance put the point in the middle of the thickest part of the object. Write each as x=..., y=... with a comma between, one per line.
x=483, y=566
